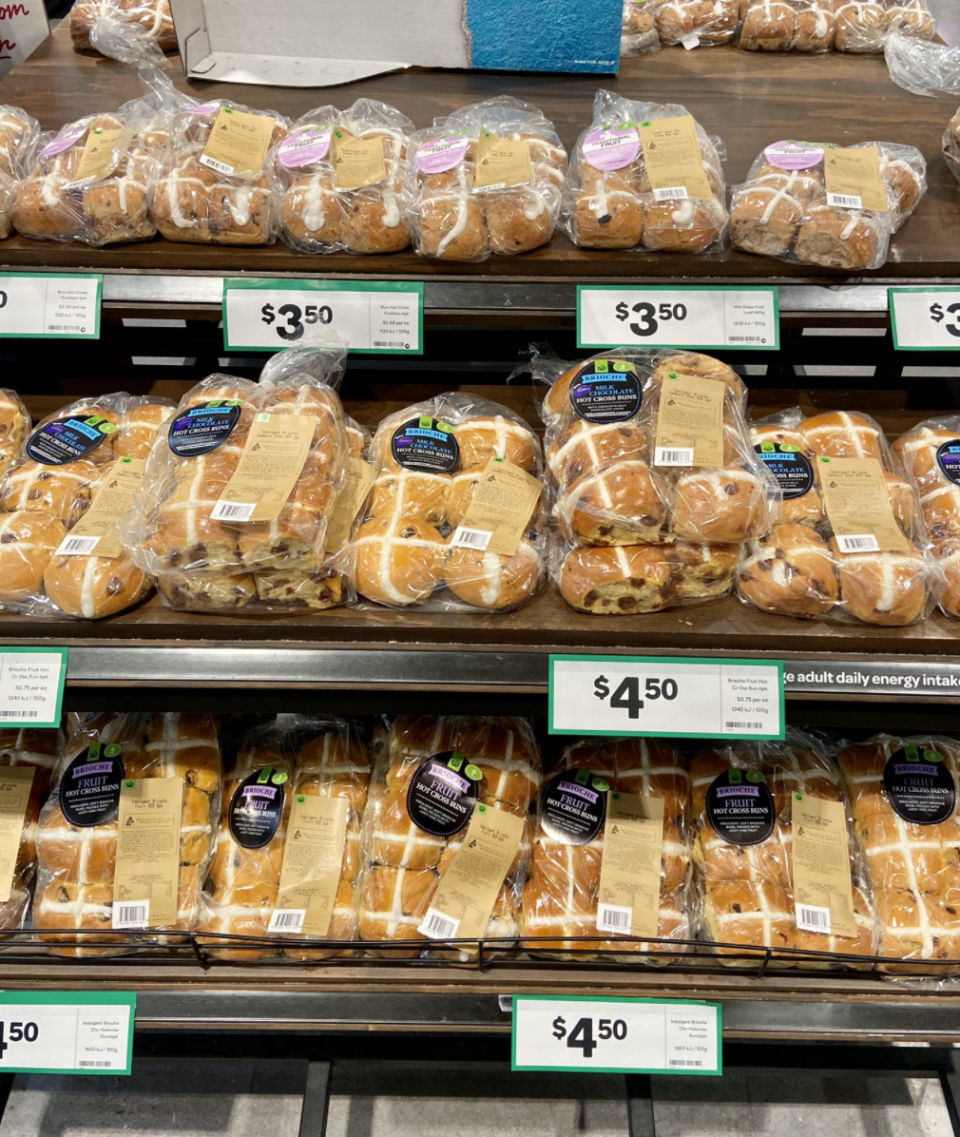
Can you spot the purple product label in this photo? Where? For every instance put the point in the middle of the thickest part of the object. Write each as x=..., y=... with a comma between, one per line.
x=64, y=140
x=90, y=789
x=311, y=144
x=788, y=155
x=440, y=800
x=206, y=108
x=612, y=147
x=256, y=808
x=740, y=807
x=948, y=458
x=440, y=154
x=920, y=786
x=573, y=806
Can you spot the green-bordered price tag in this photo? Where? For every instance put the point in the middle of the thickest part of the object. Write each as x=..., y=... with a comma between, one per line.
x=50, y=305
x=379, y=316
x=666, y=698
x=925, y=319
x=694, y=316
x=617, y=1036
x=66, y=1032
x=31, y=685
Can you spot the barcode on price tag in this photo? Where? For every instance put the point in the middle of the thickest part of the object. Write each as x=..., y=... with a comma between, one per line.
x=613, y=918
x=859, y=543
x=437, y=926
x=676, y=456
x=77, y=546
x=220, y=167
x=844, y=201
x=673, y=193
x=471, y=538
x=66, y=1032
x=232, y=511
x=287, y=920
x=131, y=915
x=813, y=919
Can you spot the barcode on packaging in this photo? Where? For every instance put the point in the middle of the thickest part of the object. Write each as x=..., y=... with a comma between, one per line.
x=811, y=918
x=672, y=193
x=471, y=538
x=77, y=546
x=858, y=543
x=844, y=201
x=673, y=456
x=131, y=915
x=438, y=926
x=232, y=511
x=287, y=920
x=220, y=167
x=614, y=918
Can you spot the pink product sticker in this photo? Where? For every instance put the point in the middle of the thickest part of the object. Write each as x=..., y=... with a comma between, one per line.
x=794, y=155
x=312, y=144
x=442, y=154
x=64, y=140
x=206, y=108
x=612, y=147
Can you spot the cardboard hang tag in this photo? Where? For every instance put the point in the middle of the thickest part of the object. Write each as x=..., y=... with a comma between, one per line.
x=629, y=896
x=99, y=154
x=357, y=162
x=821, y=866
x=312, y=864
x=857, y=501
x=673, y=159
x=501, y=162
x=690, y=422
x=238, y=143
x=15, y=785
x=96, y=533
x=272, y=461
x=500, y=511
x=146, y=883
x=359, y=479
x=854, y=174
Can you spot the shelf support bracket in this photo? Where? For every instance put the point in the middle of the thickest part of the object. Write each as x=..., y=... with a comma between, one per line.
x=316, y=1100
x=640, y=1106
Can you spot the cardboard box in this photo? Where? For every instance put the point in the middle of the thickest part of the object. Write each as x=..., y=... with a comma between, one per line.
x=320, y=43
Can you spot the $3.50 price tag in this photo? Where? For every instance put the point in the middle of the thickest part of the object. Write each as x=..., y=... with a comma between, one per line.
x=607, y=1035
x=66, y=1032
x=695, y=316
x=621, y=695
x=50, y=305
x=379, y=317
x=925, y=319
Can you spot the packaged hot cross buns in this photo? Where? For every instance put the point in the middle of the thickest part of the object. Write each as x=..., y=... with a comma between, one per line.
x=14, y=428
x=446, y=833
x=639, y=29
x=91, y=182
x=454, y=518
x=951, y=145
x=485, y=179
x=904, y=796
x=787, y=25
x=18, y=139
x=240, y=489
x=610, y=858
x=825, y=205
x=132, y=31
x=288, y=847
x=61, y=504
x=776, y=860
x=697, y=23
x=341, y=180
x=125, y=838
x=864, y=25
x=645, y=176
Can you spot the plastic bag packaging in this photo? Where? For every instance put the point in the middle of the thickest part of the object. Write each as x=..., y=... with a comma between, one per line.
x=77, y=834
x=784, y=451
x=429, y=461
x=72, y=460
x=18, y=141
x=14, y=428
x=639, y=29
x=922, y=67
x=797, y=570
x=787, y=25
x=325, y=207
x=231, y=562
x=863, y=26
x=784, y=208
x=951, y=143
x=609, y=202
x=742, y=802
x=430, y=775
x=131, y=31
x=697, y=23
x=282, y=762
x=904, y=797
x=486, y=179
x=562, y=895
x=90, y=182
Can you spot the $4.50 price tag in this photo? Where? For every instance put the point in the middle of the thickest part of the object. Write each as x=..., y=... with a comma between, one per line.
x=925, y=319
x=607, y=1035
x=695, y=316
x=50, y=305
x=31, y=686
x=379, y=317
x=66, y=1032
x=621, y=695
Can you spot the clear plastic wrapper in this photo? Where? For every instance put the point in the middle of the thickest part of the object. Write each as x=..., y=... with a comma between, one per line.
x=19, y=134
x=428, y=461
x=77, y=834
x=91, y=181
x=697, y=23
x=787, y=25
x=515, y=155
x=863, y=26
x=639, y=29
x=58, y=473
x=951, y=141
x=904, y=797
x=921, y=66
x=743, y=857
x=562, y=894
x=14, y=428
x=406, y=852
x=280, y=761
x=323, y=210
x=783, y=209
x=132, y=31
x=608, y=201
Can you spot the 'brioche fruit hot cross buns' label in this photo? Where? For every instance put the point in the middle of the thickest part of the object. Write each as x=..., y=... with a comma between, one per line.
x=90, y=789
x=740, y=807
x=96, y=532
x=854, y=180
x=501, y=162
x=442, y=794
x=920, y=786
x=690, y=422
x=858, y=505
x=500, y=510
x=629, y=897
x=256, y=808
x=148, y=853
x=674, y=162
x=573, y=807
x=15, y=783
x=271, y=463
x=357, y=162
x=238, y=143
x=312, y=862
x=821, y=867
x=606, y=390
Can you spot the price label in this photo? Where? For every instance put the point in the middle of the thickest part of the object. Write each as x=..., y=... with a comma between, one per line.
x=379, y=317
x=695, y=317
x=69, y=1032
x=607, y=1035
x=667, y=698
x=925, y=319
x=50, y=305
x=31, y=685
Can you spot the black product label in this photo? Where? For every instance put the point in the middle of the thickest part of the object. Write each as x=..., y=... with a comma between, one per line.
x=920, y=785
x=90, y=789
x=68, y=439
x=426, y=445
x=442, y=794
x=606, y=390
x=740, y=807
x=573, y=806
x=948, y=459
x=201, y=429
x=793, y=470
x=256, y=808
